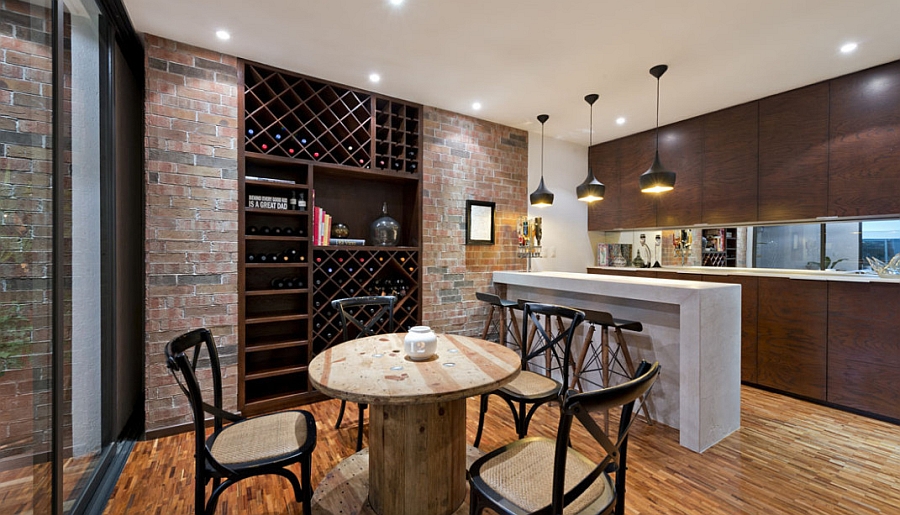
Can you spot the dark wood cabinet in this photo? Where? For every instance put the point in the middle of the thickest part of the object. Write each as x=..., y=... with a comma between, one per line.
x=791, y=335
x=310, y=143
x=749, y=297
x=864, y=147
x=603, y=215
x=730, y=152
x=681, y=150
x=793, y=154
x=863, y=348
x=636, y=209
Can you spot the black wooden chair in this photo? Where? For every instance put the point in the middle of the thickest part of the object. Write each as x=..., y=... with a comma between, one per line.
x=531, y=388
x=512, y=480
x=246, y=447
x=361, y=317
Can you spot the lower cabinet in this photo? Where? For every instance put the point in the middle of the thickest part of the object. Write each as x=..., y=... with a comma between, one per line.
x=863, y=347
x=792, y=331
x=749, y=297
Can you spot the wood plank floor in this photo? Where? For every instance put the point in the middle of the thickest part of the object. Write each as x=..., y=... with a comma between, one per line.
x=789, y=457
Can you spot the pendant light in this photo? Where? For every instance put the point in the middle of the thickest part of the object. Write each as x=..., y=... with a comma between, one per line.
x=591, y=189
x=542, y=197
x=657, y=179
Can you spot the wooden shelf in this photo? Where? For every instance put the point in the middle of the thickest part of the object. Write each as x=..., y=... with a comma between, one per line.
x=316, y=140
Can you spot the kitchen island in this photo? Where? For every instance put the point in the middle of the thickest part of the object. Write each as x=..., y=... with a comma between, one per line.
x=692, y=328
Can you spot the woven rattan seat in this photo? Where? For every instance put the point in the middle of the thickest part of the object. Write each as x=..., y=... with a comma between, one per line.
x=261, y=438
x=530, y=384
x=512, y=475
x=544, y=475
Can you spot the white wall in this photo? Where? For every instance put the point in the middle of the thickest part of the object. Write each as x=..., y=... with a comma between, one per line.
x=566, y=246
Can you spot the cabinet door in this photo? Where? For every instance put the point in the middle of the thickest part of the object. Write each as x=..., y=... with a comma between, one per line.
x=730, y=155
x=603, y=215
x=793, y=154
x=864, y=153
x=863, y=351
x=680, y=150
x=749, y=298
x=636, y=209
x=792, y=336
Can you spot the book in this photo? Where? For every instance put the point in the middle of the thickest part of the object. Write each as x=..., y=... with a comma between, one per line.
x=268, y=179
x=346, y=241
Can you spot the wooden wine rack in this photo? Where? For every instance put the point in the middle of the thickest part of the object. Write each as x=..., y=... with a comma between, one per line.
x=356, y=272
x=349, y=152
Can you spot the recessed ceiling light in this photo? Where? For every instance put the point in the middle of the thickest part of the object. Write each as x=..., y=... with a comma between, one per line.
x=223, y=35
x=848, y=48
x=374, y=77
x=476, y=105
x=396, y=2
x=620, y=120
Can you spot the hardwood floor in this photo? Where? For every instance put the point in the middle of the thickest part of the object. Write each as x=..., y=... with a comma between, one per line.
x=789, y=457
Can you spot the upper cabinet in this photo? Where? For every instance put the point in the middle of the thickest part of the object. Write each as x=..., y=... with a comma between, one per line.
x=864, y=147
x=829, y=149
x=793, y=154
x=730, y=151
x=681, y=150
x=636, y=209
x=603, y=215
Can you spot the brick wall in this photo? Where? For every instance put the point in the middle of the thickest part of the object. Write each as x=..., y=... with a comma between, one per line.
x=466, y=158
x=191, y=214
x=25, y=230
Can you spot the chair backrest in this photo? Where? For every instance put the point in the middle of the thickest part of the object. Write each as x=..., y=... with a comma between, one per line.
x=580, y=406
x=177, y=360
x=490, y=298
x=559, y=344
x=366, y=316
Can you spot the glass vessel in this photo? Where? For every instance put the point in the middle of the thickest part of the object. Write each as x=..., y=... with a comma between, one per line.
x=385, y=231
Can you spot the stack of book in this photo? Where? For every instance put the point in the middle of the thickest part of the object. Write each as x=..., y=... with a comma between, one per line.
x=321, y=226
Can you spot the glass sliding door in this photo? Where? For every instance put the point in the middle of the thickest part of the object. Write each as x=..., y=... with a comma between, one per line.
x=26, y=246
x=82, y=426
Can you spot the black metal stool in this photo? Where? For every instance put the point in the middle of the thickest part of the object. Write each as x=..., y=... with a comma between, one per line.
x=606, y=361
x=505, y=321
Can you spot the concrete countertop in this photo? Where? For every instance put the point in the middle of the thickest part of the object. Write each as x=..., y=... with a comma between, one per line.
x=807, y=275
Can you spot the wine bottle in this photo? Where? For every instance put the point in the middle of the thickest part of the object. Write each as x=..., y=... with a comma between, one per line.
x=251, y=258
x=298, y=282
x=272, y=257
x=301, y=202
x=288, y=283
x=292, y=255
x=278, y=283
x=287, y=231
x=252, y=229
x=276, y=231
x=284, y=257
x=262, y=258
x=292, y=203
x=265, y=230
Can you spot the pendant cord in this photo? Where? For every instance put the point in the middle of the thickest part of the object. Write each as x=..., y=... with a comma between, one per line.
x=657, y=115
x=542, y=151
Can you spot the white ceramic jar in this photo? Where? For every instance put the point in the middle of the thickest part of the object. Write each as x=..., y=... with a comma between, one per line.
x=420, y=343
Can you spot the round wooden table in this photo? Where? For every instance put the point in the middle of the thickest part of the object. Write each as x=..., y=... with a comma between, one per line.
x=417, y=424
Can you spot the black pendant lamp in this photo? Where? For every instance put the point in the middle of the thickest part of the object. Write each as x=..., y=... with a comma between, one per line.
x=591, y=189
x=657, y=179
x=542, y=197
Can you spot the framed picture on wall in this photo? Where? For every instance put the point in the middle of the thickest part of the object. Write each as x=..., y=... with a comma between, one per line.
x=480, y=222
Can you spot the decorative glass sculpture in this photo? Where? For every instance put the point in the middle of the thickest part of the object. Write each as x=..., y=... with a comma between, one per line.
x=891, y=270
x=385, y=231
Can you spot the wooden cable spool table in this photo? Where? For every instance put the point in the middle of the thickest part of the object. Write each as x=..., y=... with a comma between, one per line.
x=417, y=422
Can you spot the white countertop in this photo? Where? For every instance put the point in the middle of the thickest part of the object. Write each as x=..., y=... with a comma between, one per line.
x=807, y=275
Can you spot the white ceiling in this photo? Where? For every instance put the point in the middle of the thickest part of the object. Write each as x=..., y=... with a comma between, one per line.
x=521, y=58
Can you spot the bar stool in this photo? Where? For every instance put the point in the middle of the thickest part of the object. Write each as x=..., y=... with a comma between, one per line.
x=506, y=318
x=606, y=361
